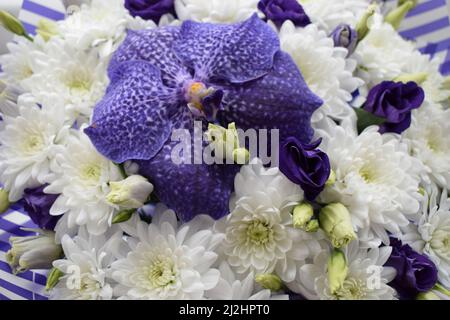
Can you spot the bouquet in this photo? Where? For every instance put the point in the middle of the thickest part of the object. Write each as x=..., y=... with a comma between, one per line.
x=240, y=149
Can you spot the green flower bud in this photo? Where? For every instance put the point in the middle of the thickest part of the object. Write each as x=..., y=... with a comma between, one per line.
x=123, y=216
x=396, y=16
x=47, y=29
x=418, y=78
x=225, y=142
x=337, y=270
x=430, y=295
x=331, y=179
x=4, y=200
x=130, y=193
x=301, y=215
x=312, y=226
x=269, y=281
x=241, y=156
x=336, y=222
x=33, y=252
x=401, y=2
x=53, y=278
x=12, y=24
x=361, y=27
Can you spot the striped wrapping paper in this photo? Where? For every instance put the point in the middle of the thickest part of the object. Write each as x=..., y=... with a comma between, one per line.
x=428, y=24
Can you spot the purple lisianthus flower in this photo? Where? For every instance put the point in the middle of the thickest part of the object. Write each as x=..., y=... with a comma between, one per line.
x=394, y=101
x=37, y=204
x=163, y=79
x=415, y=272
x=150, y=9
x=346, y=37
x=280, y=11
x=305, y=165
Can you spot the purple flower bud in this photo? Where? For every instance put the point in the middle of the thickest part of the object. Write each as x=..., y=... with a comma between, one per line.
x=346, y=37
x=305, y=165
x=37, y=204
x=394, y=101
x=150, y=9
x=415, y=272
x=279, y=11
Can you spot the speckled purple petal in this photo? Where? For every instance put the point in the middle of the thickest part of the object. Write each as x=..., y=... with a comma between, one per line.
x=234, y=52
x=154, y=46
x=133, y=119
x=190, y=189
x=280, y=100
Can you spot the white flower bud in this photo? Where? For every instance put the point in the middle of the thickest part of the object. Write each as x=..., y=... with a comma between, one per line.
x=337, y=270
x=335, y=220
x=131, y=193
x=33, y=252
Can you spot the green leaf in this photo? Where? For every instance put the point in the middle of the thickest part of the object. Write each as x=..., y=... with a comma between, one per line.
x=123, y=216
x=366, y=119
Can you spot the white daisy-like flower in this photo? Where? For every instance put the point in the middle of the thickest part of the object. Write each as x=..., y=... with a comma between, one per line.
x=215, y=11
x=434, y=83
x=82, y=177
x=29, y=144
x=78, y=77
x=431, y=236
x=9, y=94
x=366, y=279
x=167, y=260
x=325, y=68
x=231, y=287
x=376, y=179
x=428, y=141
x=328, y=14
x=85, y=267
x=18, y=64
x=259, y=235
x=382, y=53
x=101, y=24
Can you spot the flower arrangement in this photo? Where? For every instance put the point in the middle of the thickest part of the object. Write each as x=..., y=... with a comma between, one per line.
x=240, y=149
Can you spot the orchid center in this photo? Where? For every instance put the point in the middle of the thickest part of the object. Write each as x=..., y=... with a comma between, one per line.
x=202, y=101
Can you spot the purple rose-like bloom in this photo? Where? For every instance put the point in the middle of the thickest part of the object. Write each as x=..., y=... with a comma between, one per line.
x=305, y=165
x=37, y=204
x=150, y=9
x=346, y=37
x=415, y=272
x=394, y=101
x=163, y=79
x=280, y=11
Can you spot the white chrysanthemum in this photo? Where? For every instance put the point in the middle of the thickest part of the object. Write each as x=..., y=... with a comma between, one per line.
x=167, y=260
x=258, y=232
x=216, y=11
x=82, y=182
x=231, y=287
x=428, y=139
x=9, y=94
x=432, y=235
x=86, y=266
x=328, y=14
x=101, y=24
x=367, y=279
x=434, y=84
x=77, y=77
x=325, y=68
x=376, y=179
x=18, y=65
x=382, y=53
x=28, y=145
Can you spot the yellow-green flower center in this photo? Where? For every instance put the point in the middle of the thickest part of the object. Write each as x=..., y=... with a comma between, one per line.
x=352, y=289
x=259, y=233
x=161, y=272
